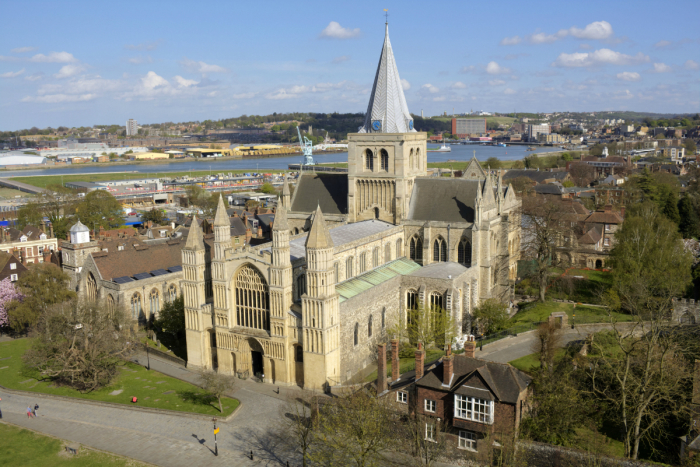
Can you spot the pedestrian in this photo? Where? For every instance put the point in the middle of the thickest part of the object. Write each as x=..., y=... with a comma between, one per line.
x=29, y=412
x=36, y=407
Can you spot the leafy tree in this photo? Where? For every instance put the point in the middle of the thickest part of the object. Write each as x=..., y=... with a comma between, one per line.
x=42, y=286
x=491, y=316
x=8, y=293
x=689, y=221
x=267, y=188
x=100, y=208
x=29, y=214
x=568, y=184
x=493, y=162
x=80, y=345
x=154, y=215
x=567, y=157
x=690, y=146
x=522, y=185
x=171, y=318
x=59, y=205
x=429, y=325
x=670, y=209
x=216, y=384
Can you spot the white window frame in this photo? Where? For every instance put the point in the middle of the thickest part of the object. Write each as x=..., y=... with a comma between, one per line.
x=467, y=440
x=430, y=432
x=13, y=266
x=607, y=227
x=13, y=277
x=474, y=409
x=430, y=405
x=402, y=397
x=606, y=242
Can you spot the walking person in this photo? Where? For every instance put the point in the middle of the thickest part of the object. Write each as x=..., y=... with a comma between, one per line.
x=36, y=407
x=29, y=412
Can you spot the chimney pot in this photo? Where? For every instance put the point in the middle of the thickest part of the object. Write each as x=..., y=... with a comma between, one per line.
x=469, y=346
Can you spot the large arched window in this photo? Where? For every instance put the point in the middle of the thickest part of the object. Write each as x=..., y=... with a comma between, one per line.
x=435, y=301
x=439, y=250
x=336, y=272
x=385, y=159
x=154, y=299
x=464, y=252
x=369, y=160
x=110, y=304
x=363, y=262
x=416, y=248
x=387, y=252
x=91, y=287
x=375, y=257
x=369, y=327
x=252, y=299
x=399, y=249
x=136, y=305
x=411, y=305
x=357, y=334
x=172, y=292
x=349, y=267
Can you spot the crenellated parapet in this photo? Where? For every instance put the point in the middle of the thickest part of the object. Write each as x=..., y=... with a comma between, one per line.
x=685, y=311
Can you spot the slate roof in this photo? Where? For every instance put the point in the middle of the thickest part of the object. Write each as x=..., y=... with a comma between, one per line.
x=330, y=191
x=356, y=285
x=501, y=379
x=237, y=227
x=535, y=175
x=605, y=217
x=141, y=259
x=32, y=232
x=590, y=238
x=443, y=200
x=548, y=189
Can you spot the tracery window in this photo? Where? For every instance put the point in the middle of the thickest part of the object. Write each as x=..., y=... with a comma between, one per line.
x=363, y=262
x=464, y=252
x=136, y=305
x=416, y=248
x=349, y=267
x=91, y=287
x=155, y=302
x=440, y=250
x=385, y=159
x=110, y=304
x=369, y=160
x=436, y=301
x=252, y=299
x=172, y=292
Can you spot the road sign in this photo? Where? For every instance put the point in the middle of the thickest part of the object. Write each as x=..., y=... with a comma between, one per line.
x=216, y=431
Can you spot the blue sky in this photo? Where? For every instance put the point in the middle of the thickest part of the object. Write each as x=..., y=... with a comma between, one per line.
x=84, y=63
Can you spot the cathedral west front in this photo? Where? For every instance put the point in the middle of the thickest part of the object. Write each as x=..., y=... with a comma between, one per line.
x=350, y=253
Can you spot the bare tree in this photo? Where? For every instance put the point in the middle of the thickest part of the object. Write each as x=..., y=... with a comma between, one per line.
x=582, y=174
x=424, y=438
x=79, y=344
x=548, y=340
x=298, y=425
x=216, y=384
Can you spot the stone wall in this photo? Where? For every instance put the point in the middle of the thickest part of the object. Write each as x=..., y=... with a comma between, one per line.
x=686, y=311
x=357, y=310
x=547, y=455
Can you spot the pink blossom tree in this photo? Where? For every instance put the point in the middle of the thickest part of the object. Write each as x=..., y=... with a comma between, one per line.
x=8, y=293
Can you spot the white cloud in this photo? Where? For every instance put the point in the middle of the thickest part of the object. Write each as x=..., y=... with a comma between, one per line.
x=185, y=83
x=341, y=59
x=598, y=57
x=494, y=68
x=459, y=85
x=661, y=68
x=515, y=40
x=691, y=65
x=335, y=31
x=201, y=67
x=629, y=76
x=430, y=88
x=12, y=74
x=54, y=57
x=298, y=90
x=585, y=47
x=598, y=30
x=34, y=76
x=509, y=91
x=405, y=84
x=21, y=50
x=496, y=82
x=542, y=38
x=140, y=59
x=67, y=71
x=60, y=98
x=152, y=81
x=662, y=44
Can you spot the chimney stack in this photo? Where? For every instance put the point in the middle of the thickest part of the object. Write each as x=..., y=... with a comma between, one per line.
x=447, y=366
x=395, y=373
x=381, y=369
x=469, y=346
x=420, y=361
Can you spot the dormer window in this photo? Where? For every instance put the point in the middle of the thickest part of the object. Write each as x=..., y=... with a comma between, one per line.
x=23, y=238
x=120, y=247
x=42, y=236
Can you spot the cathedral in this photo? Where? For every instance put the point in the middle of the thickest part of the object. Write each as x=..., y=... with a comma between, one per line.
x=350, y=253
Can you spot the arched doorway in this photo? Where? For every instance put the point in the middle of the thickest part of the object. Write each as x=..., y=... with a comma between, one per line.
x=598, y=264
x=376, y=213
x=687, y=318
x=257, y=366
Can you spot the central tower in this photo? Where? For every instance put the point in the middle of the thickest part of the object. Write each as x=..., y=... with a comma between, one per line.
x=387, y=153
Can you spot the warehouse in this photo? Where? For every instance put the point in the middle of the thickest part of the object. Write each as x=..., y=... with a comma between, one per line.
x=18, y=158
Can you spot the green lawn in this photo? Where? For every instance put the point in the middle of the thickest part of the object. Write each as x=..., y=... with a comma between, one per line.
x=134, y=380
x=168, y=343
x=532, y=361
x=537, y=311
x=588, y=290
x=20, y=447
x=44, y=180
x=407, y=364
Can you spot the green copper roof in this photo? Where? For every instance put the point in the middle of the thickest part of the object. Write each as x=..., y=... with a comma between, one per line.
x=357, y=285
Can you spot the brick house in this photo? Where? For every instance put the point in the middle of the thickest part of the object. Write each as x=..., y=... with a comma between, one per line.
x=476, y=401
x=11, y=266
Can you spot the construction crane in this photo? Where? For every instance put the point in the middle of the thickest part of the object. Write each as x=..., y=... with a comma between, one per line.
x=306, y=149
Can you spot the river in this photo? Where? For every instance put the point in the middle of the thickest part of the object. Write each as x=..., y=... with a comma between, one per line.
x=460, y=153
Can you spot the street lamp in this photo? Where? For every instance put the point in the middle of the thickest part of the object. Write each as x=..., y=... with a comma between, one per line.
x=216, y=430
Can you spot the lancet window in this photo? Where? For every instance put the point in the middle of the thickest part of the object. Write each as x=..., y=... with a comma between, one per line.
x=464, y=252
x=416, y=248
x=440, y=250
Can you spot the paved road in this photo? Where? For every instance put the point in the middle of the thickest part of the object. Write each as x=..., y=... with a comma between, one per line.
x=163, y=439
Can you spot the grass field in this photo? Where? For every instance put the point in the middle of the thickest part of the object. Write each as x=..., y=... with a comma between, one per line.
x=9, y=193
x=20, y=447
x=134, y=380
x=45, y=180
x=537, y=311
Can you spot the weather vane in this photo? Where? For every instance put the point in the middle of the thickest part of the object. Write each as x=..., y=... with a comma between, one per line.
x=386, y=14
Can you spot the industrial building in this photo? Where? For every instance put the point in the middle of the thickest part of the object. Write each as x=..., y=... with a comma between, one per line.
x=19, y=158
x=464, y=127
x=151, y=155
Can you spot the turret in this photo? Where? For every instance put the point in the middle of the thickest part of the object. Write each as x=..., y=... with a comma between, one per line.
x=285, y=193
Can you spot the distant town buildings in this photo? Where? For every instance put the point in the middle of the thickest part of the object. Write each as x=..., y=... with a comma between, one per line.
x=132, y=127
x=463, y=127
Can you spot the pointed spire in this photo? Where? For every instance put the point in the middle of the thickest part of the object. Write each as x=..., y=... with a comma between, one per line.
x=285, y=187
x=319, y=236
x=195, y=238
x=221, y=218
x=280, y=222
x=387, y=111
